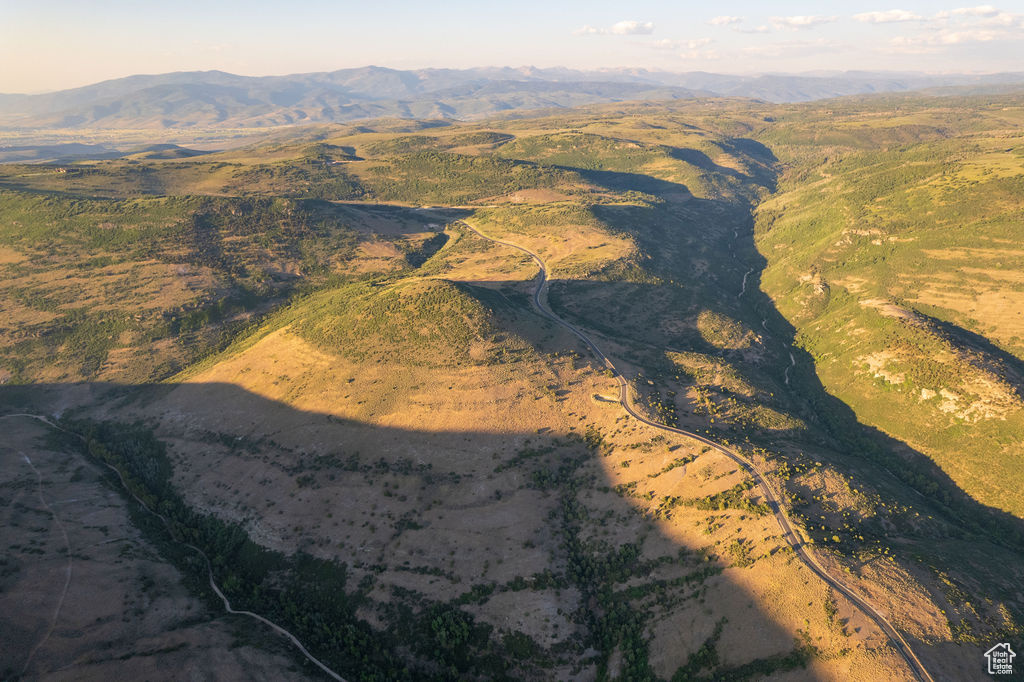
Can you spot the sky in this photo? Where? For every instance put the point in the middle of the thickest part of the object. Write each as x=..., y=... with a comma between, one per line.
x=54, y=44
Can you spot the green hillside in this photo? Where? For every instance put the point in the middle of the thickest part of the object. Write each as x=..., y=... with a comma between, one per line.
x=421, y=322
x=892, y=247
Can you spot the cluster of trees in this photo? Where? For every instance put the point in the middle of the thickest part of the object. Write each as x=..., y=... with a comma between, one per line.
x=733, y=498
x=222, y=241
x=406, y=144
x=707, y=658
x=447, y=178
x=304, y=594
x=594, y=568
x=309, y=178
x=308, y=596
x=920, y=475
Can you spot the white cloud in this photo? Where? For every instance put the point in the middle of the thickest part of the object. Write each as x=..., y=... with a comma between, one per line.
x=694, y=50
x=969, y=36
x=734, y=23
x=947, y=37
x=979, y=11
x=622, y=28
x=632, y=28
x=888, y=16
x=1004, y=19
x=800, y=22
x=962, y=26
x=981, y=16
x=905, y=45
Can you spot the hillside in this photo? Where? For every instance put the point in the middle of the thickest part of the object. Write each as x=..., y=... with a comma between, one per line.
x=310, y=355
x=892, y=248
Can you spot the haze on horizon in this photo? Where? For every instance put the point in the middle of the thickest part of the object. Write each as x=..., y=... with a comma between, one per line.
x=59, y=44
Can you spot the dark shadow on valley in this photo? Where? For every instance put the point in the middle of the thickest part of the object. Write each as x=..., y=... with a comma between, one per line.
x=708, y=245
x=703, y=250
x=503, y=533
x=639, y=319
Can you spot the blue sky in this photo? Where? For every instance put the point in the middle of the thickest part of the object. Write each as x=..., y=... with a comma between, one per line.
x=53, y=44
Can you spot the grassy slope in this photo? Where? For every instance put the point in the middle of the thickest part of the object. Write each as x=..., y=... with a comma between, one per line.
x=893, y=250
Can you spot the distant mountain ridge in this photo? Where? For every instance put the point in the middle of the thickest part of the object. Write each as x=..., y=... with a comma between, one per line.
x=218, y=99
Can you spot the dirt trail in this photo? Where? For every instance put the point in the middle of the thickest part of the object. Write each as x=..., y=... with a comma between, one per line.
x=67, y=572
x=167, y=524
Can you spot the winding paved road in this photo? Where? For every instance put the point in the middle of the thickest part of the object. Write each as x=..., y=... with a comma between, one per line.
x=789, y=533
x=209, y=567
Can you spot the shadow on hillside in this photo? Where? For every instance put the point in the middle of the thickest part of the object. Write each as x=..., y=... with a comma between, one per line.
x=622, y=182
x=763, y=161
x=705, y=249
x=646, y=320
x=432, y=519
x=972, y=341
x=396, y=215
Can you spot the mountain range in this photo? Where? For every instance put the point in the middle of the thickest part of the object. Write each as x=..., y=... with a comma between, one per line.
x=217, y=99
